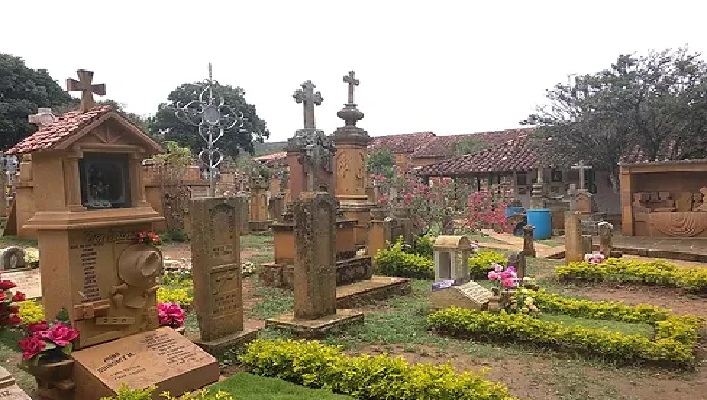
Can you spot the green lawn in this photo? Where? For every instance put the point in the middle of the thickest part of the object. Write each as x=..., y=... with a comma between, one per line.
x=644, y=330
x=252, y=387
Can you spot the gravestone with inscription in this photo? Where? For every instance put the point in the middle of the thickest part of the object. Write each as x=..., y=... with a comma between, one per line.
x=90, y=208
x=216, y=270
x=469, y=295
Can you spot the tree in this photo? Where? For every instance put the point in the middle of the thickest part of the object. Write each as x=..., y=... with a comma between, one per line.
x=136, y=119
x=656, y=101
x=165, y=121
x=469, y=145
x=381, y=162
x=22, y=91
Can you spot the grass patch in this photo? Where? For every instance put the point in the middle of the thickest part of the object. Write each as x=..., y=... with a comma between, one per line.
x=262, y=242
x=273, y=302
x=6, y=241
x=644, y=330
x=252, y=387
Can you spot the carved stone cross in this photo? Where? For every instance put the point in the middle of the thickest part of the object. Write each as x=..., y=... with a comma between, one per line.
x=84, y=85
x=352, y=81
x=44, y=116
x=309, y=98
x=581, y=167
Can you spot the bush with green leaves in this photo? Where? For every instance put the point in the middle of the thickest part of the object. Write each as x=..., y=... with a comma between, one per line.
x=480, y=264
x=422, y=246
x=396, y=262
x=316, y=365
x=125, y=393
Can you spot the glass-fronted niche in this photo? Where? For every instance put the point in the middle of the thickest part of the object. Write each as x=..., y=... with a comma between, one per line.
x=105, y=181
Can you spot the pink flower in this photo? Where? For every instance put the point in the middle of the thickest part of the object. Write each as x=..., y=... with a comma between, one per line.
x=492, y=276
x=509, y=283
x=170, y=314
x=60, y=334
x=31, y=346
x=497, y=267
x=37, y=327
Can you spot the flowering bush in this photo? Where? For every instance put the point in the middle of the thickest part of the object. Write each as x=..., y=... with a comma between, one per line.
x=9, y=307
x=483, y=261
x=594, y=258
x=170, y=314
x=148, y=237
x=247, y=268
x=32, y=257
x=523, y=303
x=47, y=341
x=30, y=312
x=506, y=278
x=396, y=262
x=125, y=393
x=179, y=295
x=484, y=211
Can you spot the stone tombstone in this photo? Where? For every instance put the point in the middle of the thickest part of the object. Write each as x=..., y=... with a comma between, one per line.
x=216, y=266
x=276, y=207
x=162, y=357
x=379, y=233
x=258, y=204
x=244, y=218
x=315, y=255
x=451, y=258
x=9, y=389
x=574, y=251
x=528, y=243
x=586, y=245
x=583, y=203
x=605, y=229
x=469, y=295
x=12, y=258
x=518, y=261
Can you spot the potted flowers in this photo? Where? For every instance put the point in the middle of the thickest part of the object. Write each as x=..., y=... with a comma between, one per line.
x=148, y=237
x=9, y=309
x=45, y=351
x=171, y=314
x=507, y=282
x=594, y=258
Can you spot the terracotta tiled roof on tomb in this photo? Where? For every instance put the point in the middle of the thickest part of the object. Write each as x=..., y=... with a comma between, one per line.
x=406, y=143
x=66, y=125
x=441, y=146
x=514, y=154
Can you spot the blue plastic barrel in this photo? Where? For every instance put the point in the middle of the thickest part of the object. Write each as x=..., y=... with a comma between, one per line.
x=511, y=211
x=541, y=219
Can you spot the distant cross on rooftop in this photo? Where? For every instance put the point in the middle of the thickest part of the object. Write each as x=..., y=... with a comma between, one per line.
x=309, y=98
x=352, y=81
x=581, y=166
x=84, y=85
x=44, y=116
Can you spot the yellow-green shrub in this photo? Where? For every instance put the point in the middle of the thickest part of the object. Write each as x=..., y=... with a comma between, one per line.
x=181, y=296
x=480, y=265
x=125, y=393
x=396, y=262
x=367, y=377
x=523, y=328
x=31, y=312
x=656, y=272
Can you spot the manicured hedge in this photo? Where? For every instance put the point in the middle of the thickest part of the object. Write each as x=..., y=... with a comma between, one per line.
x=367, y=377
x=396, y=262
x=674, y=343
x=480, y=264
x=657, y=272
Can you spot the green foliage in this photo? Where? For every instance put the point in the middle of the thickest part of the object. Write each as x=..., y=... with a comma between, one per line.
x=470, y=145
x=253, y=387
x=125, y=393
x=396, y=262
x=665, y=349
x=174, y=235
x=313, y=364
x=174, y=155
x=423, y=246
x=22, y=91
x=480, y=264
x=381, y=162
x=656, y=272
x=136, y=119
x=188, y=136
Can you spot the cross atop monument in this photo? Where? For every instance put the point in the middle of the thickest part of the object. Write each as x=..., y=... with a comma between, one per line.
x=581, y=167
x=352, y=81
x=84, y=85
x=44, y=116
x=309, y=98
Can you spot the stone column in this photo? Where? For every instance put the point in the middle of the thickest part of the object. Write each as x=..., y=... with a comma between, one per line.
x=315, y=256
x=528, y=243
x=574, y=251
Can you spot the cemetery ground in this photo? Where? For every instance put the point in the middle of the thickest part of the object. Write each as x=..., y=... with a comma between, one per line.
x=397, y=327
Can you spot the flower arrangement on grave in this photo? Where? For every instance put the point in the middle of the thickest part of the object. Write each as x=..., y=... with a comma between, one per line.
x=148, y=237
x=170, y=314
x=47, y=341
x=247, y=268
x=30, y=312
x=523, y=303
x=594, y=258
x=507, y=281
x=9, y=307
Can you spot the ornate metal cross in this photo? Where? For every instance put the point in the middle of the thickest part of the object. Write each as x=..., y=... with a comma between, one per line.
x=84, y=85
x=581, y=167
x=309, y=98
x=352, y=81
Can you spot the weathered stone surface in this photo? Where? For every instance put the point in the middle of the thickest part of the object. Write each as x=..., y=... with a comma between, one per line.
x=469, y=295
x=574, y=251
x=12, y=257
x=528, y=241
x=451, y=258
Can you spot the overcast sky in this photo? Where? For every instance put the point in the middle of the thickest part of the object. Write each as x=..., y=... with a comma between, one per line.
x=450, y=67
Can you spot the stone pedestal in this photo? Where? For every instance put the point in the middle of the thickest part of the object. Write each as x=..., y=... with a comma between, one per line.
x=528, y=243
x=574, y=250
x=259, y=205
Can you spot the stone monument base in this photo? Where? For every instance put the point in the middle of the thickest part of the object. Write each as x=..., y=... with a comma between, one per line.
x=316, y=328
x=259, y=226
x=237, y=339
x=469, y=295
x=348, y=271
x=369, y=290
x=162, y=357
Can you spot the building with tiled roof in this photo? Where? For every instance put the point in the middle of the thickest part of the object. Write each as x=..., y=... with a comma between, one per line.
x=401, y=146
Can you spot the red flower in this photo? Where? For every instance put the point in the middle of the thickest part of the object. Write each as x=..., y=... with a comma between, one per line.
x=6, y=284
x=19, y=296
x=170, y=314
x=60, y=334
x=15, y=319
x=14, y=309
x=31, y=346
x=38, y=327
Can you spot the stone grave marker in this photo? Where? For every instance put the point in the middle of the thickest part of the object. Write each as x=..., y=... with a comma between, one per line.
x=528, y=243
x=574, y=251
x=469, y=295
x=451, y=258
x=518, y=261
x=9, y=389
x=216, y=270
x=12, y=257
x=605, y=238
